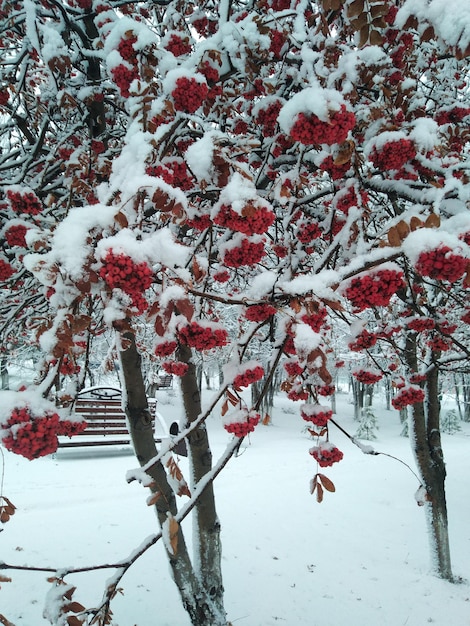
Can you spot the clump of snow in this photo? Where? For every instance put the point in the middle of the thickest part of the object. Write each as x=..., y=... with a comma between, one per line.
x=305, y=339
x=199, y=156
x=312, y=100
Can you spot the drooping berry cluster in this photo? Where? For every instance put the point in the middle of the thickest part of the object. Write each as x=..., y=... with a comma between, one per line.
x=325, y=390
x=452, y=116
x=174, y=172
x=119, y=271
x=251, y=220
x=267, y=117
x=189, y=94
x=27, y=203
x=16, y=235
x=335, y=171
x=178, y=46
x=393, y=155
x=374, y=289
x=316, y=413
x=222, y=276
x=247, y=253
x=6, y=270
x=439, y=344
x=245, y=424
x=311, y=130
x=123, y=76
x=33, y=437
x=367, y=377
x=203, y=336
x=293, y=368
x=165, y=348
x=363, y=341
x=420, y=324
x=259, y=312
x=248, y=377
x=177, y=368
x=442, y=263
x=326, y=454
x=406, y=396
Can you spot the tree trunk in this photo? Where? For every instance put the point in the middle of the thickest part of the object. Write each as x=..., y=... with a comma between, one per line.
x=426, y=442
x=202, y=602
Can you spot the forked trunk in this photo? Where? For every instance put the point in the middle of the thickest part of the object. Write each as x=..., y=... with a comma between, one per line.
x=200, y=591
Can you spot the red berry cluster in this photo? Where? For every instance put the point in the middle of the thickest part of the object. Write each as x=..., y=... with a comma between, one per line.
x=452, y=116
x=177, y=368
x=278, y=39
x=335, y=171
x=4, y=96
x=247, y=253
x=280, y=5
x=68, y=367
x=439, y=344
x=252, y=219
x=421, y=324
x=199, y=222
x=374, y=289
x=123, y=77
x=16, y=235
x=204, y=26
x=259, y=312
x=267, y=118
x=326, y=454
x=27, y=203
x=316, y=413
x=67, y=428
x=441, y=264
x=315, y=320
x=248, y=377
x=367, y=378
x=466, y=317
x=298, y=393
x=178, y=46
x=30, y=436
x=97, y=147
x=416, y=379
x=222, y=277
x=174, y=173
x=6, y=270
x=203, y=337
x=393, y=155
x=189, y=94
x=165, y=348
x=363, y=341
x=247, y=425
x=120, y=272
x=326, y=390
x=347, y=198
x=293, y=368
x=210, y=73
x=308, y=231
x=409, y=395
x=310, y=129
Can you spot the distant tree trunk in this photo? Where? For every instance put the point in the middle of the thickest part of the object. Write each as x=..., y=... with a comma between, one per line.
x=426, y=442
x=358, y=396
x=266, y=403
x=200, y=589
x=5, y=379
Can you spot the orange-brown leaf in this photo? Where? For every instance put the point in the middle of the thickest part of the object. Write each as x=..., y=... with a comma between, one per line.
x=327, y=483
x=393, y=237
x=319, y=493
x=376, y=38
x=355, y=8
x=173, y=529
x=415, y=223
x=403, y=229
x=153, y=499
x=432, y=221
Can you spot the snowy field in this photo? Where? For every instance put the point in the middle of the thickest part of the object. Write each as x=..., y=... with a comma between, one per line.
x=361, y=557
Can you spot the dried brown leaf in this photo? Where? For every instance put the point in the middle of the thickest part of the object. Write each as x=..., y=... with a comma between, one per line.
x=415, y=223
x=376, y=38
x=327, y=483
x=393, y=237
x=432, y=221
x=355, y=8
x=319, y=493
x=403, y=230
x=173, y=529
x=363, y=36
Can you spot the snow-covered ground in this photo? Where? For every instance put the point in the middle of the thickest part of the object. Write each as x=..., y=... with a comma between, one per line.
x=360, y=557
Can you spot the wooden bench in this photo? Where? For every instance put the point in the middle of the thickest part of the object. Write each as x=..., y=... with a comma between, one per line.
x=101, y=408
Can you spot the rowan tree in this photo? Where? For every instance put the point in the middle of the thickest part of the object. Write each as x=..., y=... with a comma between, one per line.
x=281, y=163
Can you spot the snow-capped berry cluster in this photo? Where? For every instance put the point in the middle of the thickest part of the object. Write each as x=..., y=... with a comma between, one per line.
x=325, y=390
x=165, y=348
x=452, y=116
x=16, y=235
x=374, y=289
x=308, y=231
x=174, y=172
x=367, y=377
x=326, y=454
x=394, y=154
x=278, y=39
x=248, y=377
x=439, y=344
x=6, y=270
x=420, y=324
x=315, y=320
x=247, y=253
x=293, y=368
x=27, y=202
x=203, y=336
x=363, y=341
x=32, y=436
x=245, y=424
x=406, y=396
x=442, y=263
x=251, y=220
x=316, y=413
x=309, y=129
x=267, y=117
x=177, y=45
x=119, y=271
x=259, y=312
x=177, y=368
x=189, y=94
